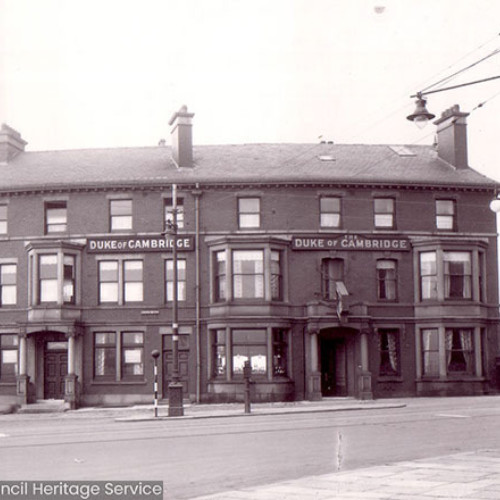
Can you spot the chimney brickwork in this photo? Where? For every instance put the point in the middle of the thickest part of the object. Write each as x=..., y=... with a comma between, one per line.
x=182, y=137
x=452, y=137
x=11, y=143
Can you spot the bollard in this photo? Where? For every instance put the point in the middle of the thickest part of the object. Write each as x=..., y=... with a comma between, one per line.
x=247, y=373
x=155, y=354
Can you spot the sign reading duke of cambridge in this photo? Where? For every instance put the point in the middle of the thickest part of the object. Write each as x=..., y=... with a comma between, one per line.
x=139, y=244
x=351, y=242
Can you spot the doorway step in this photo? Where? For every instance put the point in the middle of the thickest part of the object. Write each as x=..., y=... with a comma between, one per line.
x=44, y=406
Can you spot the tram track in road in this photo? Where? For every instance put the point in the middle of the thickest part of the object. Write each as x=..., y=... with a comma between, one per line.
x=163, y=429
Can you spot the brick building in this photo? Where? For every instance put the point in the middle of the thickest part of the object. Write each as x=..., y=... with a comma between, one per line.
x=337, y=270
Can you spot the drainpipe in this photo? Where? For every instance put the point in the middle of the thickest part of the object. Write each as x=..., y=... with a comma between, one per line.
x=197, y=194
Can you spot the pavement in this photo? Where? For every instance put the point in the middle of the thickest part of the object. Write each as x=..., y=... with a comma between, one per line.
x=465, y=476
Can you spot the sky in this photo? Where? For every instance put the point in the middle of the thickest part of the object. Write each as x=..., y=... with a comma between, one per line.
x=110, y=73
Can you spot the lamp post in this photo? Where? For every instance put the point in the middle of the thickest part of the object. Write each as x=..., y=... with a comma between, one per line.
x=175, y=408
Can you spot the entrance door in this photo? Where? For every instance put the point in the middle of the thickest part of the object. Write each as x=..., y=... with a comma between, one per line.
x=55, y=371
x=333, y=368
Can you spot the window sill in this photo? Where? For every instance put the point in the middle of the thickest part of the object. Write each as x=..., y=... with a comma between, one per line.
x=119, y=382
x=389, y=378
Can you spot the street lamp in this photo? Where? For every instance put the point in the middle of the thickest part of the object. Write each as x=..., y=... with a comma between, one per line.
x=175, y=408
x=421, y=115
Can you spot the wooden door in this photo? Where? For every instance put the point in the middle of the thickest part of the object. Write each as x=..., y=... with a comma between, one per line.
x=55, y=371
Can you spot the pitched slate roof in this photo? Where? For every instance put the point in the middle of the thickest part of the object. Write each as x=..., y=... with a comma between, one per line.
x=244, y=163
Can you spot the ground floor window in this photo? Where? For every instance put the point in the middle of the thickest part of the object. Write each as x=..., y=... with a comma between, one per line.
x=265, y=348
x=389, y=352
x=8, y=357
x=118, y=356
x=448, y=351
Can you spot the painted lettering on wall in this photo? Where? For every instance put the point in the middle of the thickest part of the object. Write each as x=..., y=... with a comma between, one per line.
x=139, y=244
x=351, y=242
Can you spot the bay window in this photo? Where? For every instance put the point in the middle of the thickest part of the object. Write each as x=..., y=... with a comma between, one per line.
x=265, y=348
x=450, y=351
x=248, y=274
x=448, y=275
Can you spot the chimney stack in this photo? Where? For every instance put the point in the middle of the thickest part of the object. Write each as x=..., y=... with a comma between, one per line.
x=182, y=137
x=452, y=137
x=11, y=143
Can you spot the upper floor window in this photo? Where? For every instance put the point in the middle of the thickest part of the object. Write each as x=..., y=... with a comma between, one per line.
x=56, y=217
x=248, y=213
x=457, y=275
x=56, y=278
x=276, y=276
x=181, y=279
x=169, y=212
x=8, y=357
x=120, y=282
x=456, y=271
x=329, y=211
x=389, y=351
x=120, y=212
x=445, y=214
x=386, y=280
x=8, y=284
x=384, y=211
x=332, y=279
x=3, y=219
x=428, y=275
x=248, y=274
x=219, y=267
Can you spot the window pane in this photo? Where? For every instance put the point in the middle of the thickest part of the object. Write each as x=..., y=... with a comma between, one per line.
x=121, y=207
x=121, y=223
x=428, y=263
x=8, y=274
x=133, y=270
x=56, y=220
x=48, y=266
x=445, y=207
x=249, y=336
x=108, y=292
x=249, y=204
x=384, y=205
x=3, y=212
x=108, y=271
x=249, y=220
x=248, y=274
x=105, y=338
x=3, y=227
x=133, y=338
x=105, y=362
x=444, y=222
x=430, y=349
x=330, y=220
x=384, y=220
x=48, y=290
x=330, y=204
x=133, y=292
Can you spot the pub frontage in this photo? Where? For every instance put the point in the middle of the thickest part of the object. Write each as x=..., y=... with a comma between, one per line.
x=363, y=271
